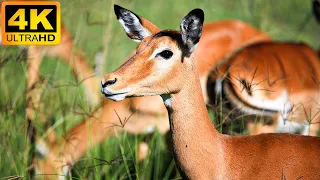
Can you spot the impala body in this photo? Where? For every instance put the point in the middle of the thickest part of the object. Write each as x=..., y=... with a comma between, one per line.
x=272, y=78
x=164, y=65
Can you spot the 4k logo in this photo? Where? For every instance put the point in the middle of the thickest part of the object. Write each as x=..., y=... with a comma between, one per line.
x=30, y=23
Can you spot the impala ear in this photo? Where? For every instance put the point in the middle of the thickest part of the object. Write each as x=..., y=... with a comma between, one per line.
x=316, y=9
x=191, y=29
x=136, y=28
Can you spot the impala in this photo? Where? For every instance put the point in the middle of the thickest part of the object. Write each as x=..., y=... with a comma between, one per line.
x=275, y=79
x=164, y=65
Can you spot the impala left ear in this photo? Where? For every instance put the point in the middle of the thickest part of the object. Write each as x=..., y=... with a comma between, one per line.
x=136, y=27
x=191, y=29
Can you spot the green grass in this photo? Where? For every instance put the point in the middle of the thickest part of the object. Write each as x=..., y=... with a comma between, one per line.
x=281, y=19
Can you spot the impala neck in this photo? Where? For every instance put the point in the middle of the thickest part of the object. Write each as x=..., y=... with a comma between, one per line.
x=191, y=128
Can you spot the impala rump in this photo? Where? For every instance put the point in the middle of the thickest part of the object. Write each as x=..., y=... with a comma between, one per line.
x=270, y=78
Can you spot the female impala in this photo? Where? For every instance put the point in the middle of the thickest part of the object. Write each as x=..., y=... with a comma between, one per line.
x=254, y=76
x=163, y=65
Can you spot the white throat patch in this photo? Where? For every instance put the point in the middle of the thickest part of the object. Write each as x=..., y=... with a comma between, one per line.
x=167, y=100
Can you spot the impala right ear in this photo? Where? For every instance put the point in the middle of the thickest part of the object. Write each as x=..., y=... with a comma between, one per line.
x=191, y=29
x=136, y=28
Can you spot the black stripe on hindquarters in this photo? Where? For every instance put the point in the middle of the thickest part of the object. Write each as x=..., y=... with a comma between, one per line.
x=229, y=103
x=232, y=100
x=237, y=102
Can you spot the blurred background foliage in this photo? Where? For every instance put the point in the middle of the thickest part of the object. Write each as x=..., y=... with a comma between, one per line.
x=95, y=29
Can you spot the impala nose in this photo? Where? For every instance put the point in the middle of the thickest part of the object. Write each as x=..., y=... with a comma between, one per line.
x=108, y=82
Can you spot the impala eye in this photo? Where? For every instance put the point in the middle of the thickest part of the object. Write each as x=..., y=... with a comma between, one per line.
x=166, y=54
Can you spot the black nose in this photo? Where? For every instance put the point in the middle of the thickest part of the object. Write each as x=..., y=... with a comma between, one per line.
x=109, y=82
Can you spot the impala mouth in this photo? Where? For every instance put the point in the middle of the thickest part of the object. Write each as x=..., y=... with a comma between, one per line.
x=115, y=96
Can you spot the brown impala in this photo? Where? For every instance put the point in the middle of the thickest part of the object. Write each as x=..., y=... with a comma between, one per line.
x=276, y=79
x=164, y=65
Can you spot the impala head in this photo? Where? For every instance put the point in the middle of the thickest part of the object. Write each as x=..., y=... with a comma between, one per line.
x=162, y=62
